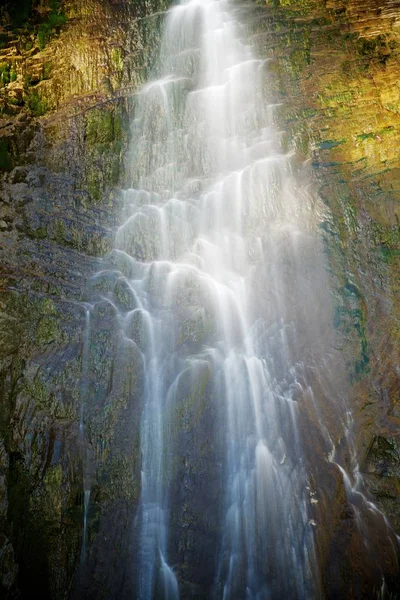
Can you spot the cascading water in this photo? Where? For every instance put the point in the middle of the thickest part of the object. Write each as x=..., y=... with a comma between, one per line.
x=225, y=308
x=212, y=226
x=83, y=400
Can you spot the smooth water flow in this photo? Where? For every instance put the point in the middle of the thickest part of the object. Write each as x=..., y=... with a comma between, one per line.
x=213, y=316
x=84, y=458
x=218, y=241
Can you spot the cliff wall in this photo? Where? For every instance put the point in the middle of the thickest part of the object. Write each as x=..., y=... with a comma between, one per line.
x=68, y=76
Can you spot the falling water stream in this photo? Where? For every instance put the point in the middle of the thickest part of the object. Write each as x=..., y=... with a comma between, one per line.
x=228, y=309
x=215, y=229
x=83, y=399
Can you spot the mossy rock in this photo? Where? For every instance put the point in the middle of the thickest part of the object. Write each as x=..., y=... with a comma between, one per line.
x=383, y=457
x=124, y=295
x=102, y=128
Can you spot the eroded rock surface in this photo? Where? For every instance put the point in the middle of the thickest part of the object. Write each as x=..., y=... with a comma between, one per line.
x=66, y=97
x=67, y=85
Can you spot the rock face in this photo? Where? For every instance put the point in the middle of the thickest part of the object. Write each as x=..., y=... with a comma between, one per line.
x=336, y=66
x=66, y=97
x=68, y=76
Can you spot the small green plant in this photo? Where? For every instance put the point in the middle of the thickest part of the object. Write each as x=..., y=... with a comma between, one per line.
x=7, y=73
x=56, y=18
x=5, y=76
x=117, y=60
x=43, y=34
x=37, y=105
x=47, y=67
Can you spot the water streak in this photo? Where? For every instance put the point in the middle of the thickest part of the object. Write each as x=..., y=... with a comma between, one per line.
x=216, y=230
x=83, y=400
x=220, y=288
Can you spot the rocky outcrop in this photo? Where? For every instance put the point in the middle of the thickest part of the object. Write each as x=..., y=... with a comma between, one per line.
x=68, y=76
x=334, y=71
x=66, y=98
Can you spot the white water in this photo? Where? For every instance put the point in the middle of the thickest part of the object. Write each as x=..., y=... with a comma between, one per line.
x=220, y=273
x=218, y=237
x=85, y=470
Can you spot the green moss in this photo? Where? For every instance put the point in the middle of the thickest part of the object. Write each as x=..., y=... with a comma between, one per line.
x=40, y=233
x=5, y=69
x=389, y=254
x=299, y=59
x=56, y=17
x=8, y=73
x=55, y=20
x=116, y=59
x=47, y=329
x=5, y=160
x=387, y=240
x=47, y=68
x=361, y=365
x=26, y=19
x=104, y=142
x=102, y=128
x=331, y=98
x=373, y=48
x=94, y=187
x=351, y=317
x=60, y=231
x=37, y=390
x=119, y=479
x=37, y=105
x=43, y=35
x=51, y=494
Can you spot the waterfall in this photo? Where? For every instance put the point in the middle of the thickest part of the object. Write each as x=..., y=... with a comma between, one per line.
x=222, y=296
x=215, y=231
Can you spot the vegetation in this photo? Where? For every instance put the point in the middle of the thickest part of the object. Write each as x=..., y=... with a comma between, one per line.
x=7, y=73
x=38, y=106
x=25, y=17
x=55, y=19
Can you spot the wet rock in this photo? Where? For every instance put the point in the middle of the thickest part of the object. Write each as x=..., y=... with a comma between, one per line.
x=125, y=295
x=381, y=471
x=194, y=325
x=57, y=170
x=137, y=329
x=383, y=457
x=103, y=282
x=335, y=75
